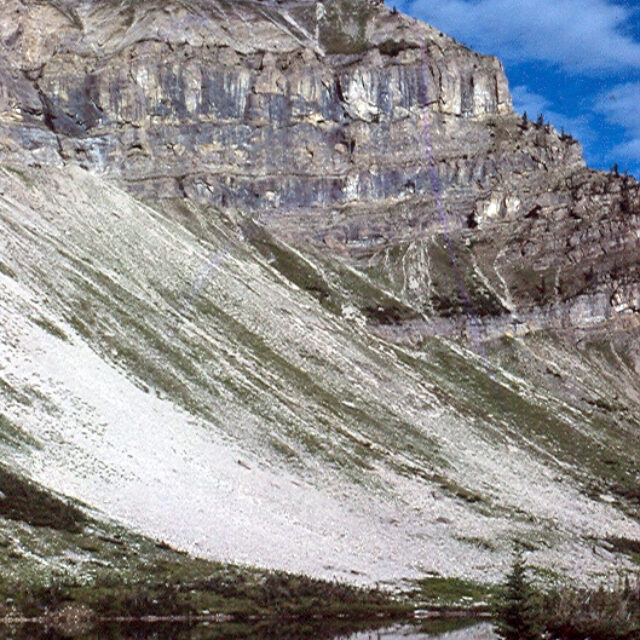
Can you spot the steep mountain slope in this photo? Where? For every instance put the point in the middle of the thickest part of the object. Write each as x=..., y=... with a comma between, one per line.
x=192, y=392
x=290, y=284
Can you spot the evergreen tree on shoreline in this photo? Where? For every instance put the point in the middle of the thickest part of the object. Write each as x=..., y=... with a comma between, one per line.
x=517, y=617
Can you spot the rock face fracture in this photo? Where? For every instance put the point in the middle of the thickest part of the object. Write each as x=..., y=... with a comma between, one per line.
x=313, y=235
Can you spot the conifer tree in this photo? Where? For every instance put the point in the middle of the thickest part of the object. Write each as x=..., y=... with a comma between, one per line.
x=517, y=612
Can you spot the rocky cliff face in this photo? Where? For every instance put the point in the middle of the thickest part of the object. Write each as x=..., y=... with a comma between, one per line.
x=266, y=220
x=312, y=117
x=291, y=101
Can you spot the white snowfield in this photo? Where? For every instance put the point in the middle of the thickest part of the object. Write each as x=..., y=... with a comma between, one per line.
x=180, y=385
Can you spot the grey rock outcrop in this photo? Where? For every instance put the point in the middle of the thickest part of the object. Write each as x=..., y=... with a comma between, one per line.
x=350, y=131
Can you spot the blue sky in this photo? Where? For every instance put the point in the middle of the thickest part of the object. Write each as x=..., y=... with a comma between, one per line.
x=575, y=61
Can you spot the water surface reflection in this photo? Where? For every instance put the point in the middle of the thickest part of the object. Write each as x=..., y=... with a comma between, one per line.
x=440, y=629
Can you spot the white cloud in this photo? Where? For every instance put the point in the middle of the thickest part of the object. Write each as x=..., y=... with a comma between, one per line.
x=577, y=35
x=620, y=105
x=629, y=150
x=526, y=100
x=535, y=104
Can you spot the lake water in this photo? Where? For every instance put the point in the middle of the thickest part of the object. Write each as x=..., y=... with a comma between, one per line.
x=440, y=629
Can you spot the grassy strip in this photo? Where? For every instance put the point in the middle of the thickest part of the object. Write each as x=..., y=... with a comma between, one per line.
x=237, y=593
x=12, y=434
x=52, y=328
x=239, y=602
x=23, y=501
x=450, y=595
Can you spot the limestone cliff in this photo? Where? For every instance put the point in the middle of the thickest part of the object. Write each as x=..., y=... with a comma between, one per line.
x=312, y=116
